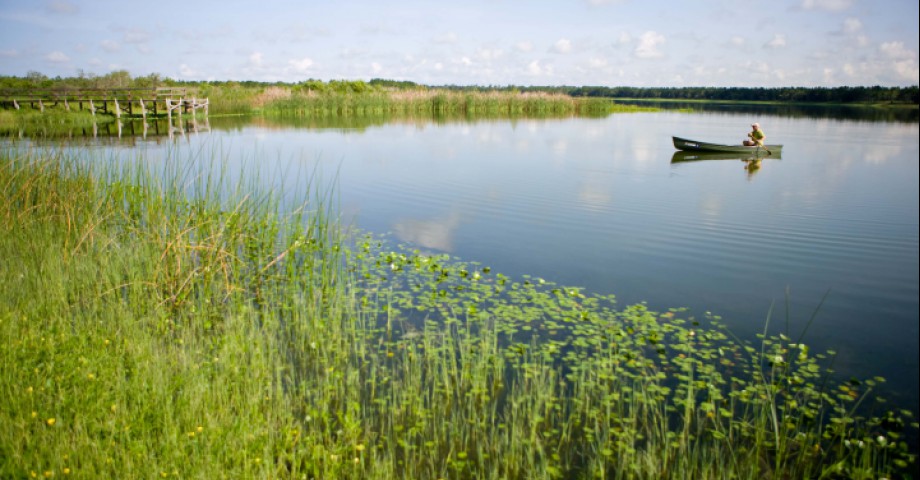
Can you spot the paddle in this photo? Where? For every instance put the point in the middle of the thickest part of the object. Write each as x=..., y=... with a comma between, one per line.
x=760, y=144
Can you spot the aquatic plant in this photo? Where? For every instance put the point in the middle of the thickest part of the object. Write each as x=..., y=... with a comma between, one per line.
x=162, y=320
x=435, y=102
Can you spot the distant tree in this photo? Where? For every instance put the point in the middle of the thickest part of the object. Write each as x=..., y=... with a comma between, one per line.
x=37, y=79
x=152, y=80
x=116, y=79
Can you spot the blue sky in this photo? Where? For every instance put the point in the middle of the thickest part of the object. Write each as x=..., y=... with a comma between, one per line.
x=643, y=43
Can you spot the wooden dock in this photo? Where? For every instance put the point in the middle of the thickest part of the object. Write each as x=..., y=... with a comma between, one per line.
x=116, y=101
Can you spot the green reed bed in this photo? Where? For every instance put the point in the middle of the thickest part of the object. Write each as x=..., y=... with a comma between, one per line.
x=167, y=322
x=438, y=102
x=51, y=118
x=232, y=99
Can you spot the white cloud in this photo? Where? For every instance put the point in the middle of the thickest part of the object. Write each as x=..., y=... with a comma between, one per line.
x=896, y=51
x=352, y=53
x=110, y=46
x=57, y=57
x=624, y=38
x=524, y=46
x=448, y=38
x=737, y=41
x=255, y=60
x=563, y=45
x=187, y=71
x=9, y=53
x=883, y=71
x=908, y=71
x=828, y=5
x=376, y=68
x=487, y=54
x=301, y=65
x=136, y=35
x=534, y=68
x=649, y=44
x=597, y=62
x=852, y=26
x=778, y=41
x=849, y=69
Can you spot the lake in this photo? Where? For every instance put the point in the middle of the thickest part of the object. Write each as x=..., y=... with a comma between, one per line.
x=827, y=231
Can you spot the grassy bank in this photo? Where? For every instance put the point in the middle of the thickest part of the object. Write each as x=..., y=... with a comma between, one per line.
x=150, y=334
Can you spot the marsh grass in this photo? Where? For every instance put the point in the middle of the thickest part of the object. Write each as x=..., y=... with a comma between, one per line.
x=436, y=102
x=168, y=321
x=52, y=117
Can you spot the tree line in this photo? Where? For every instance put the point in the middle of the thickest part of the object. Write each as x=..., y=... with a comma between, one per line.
x=841, y=95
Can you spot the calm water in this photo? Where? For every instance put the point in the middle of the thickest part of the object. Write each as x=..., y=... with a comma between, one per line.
x=598, y=203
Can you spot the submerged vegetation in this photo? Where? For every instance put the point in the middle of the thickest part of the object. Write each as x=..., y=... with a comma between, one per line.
x=161, y=321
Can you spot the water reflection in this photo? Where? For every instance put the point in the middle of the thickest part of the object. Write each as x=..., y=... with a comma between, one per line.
x=905, y=114
x=752, y=163
x=434, y=234
x=126, y=132
x=680, y=156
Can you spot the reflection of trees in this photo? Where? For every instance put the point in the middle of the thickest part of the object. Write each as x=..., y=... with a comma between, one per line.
x=362, y=122
x=846, y=94
x=835, y=112
x=114, y=131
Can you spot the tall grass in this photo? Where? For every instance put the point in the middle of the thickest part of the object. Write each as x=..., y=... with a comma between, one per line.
x=435, y=102
x=169, y=322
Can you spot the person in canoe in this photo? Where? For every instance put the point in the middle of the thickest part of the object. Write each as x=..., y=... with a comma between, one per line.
x=756, y=136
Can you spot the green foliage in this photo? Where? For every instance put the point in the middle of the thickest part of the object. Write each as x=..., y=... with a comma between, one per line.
x=346, y=99
x=158, y=321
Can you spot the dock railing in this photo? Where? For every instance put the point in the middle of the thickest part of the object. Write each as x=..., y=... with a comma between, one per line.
x=117, y=101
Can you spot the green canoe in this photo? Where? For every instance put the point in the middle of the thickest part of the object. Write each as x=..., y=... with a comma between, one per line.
x=695, y=146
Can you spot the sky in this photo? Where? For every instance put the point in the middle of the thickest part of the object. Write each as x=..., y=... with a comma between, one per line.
x=638, y=43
